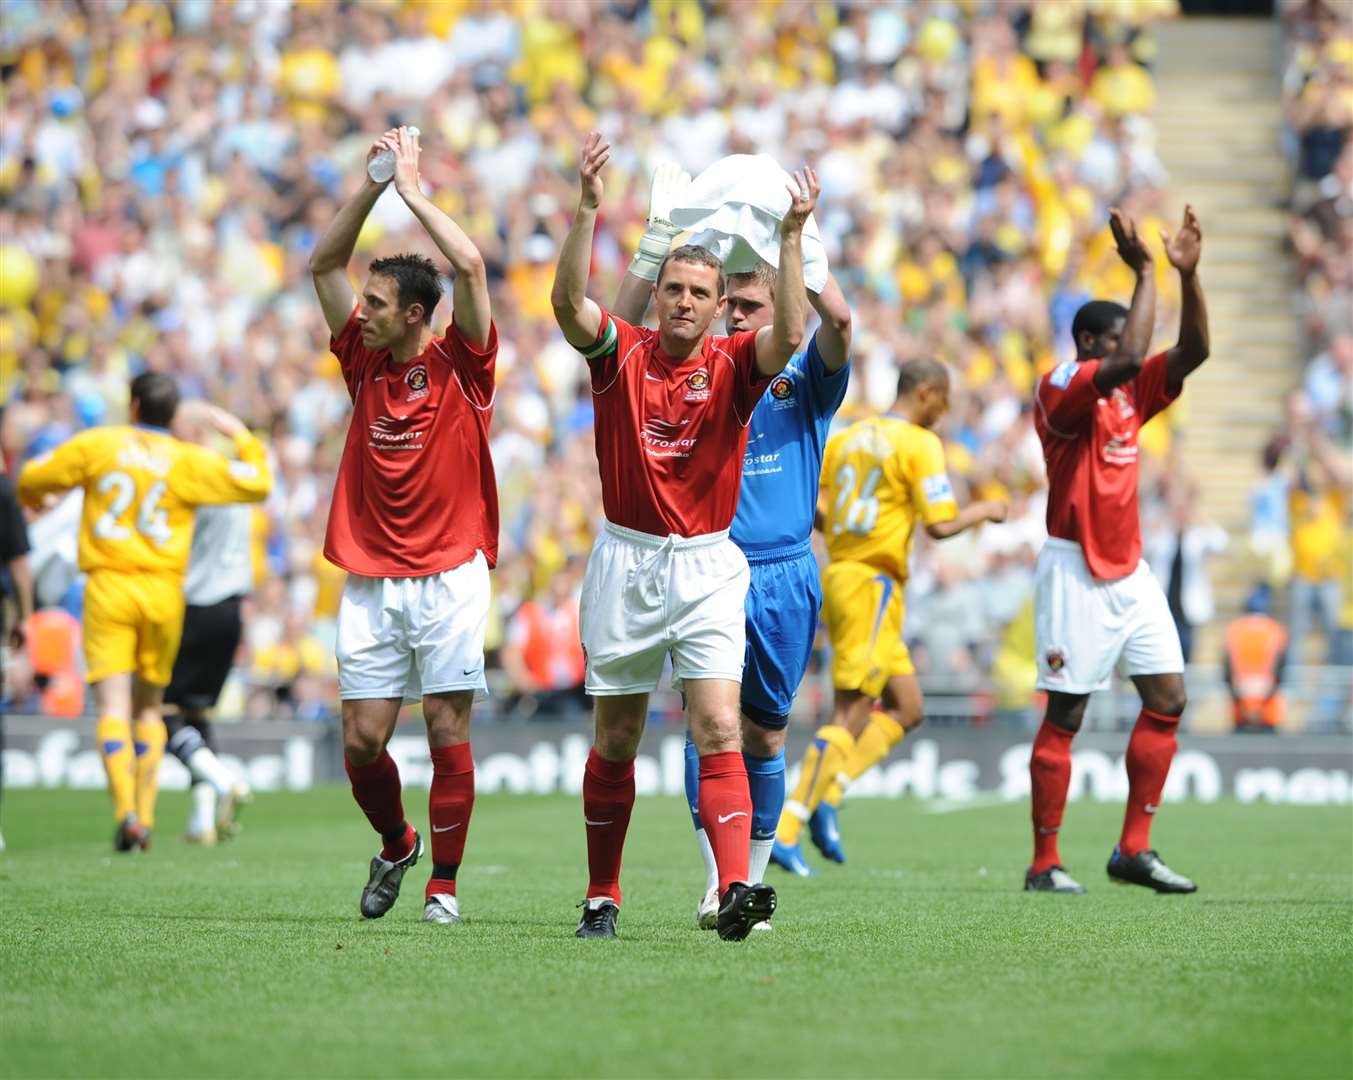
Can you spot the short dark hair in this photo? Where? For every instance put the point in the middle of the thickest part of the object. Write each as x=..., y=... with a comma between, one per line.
x=1096, y=317
x=156, y=397
x=417, y=279
x=689, y=253
x=764, y=275
x=921, y=371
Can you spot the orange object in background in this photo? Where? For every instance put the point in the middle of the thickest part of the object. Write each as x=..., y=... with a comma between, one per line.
x=64, y=696
x=53, y=642
x=550, y=646
x=1255, y=649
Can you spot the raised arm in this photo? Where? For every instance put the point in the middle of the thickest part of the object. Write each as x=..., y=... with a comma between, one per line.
x=833, y=336
x=631, y=299
x=1335, y=462
x=1183, y=250
x=578, y=317
x=776, y=343
x=471, y=310
x=329, y=260
x=1125, y=362
x=636, y=289
x=205, y=478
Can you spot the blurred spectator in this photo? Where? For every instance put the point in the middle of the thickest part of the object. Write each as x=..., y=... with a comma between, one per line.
x=1318, y=511
x=1177, y=548
x=1270, y=529
x=1253, y=663
x=542, y=653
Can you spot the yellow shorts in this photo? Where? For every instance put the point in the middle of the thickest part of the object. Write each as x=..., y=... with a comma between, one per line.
x=132, y=623
x=864, y=609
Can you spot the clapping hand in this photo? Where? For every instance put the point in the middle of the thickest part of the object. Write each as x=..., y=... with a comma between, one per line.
x=1131, y=249
x=1184, y=248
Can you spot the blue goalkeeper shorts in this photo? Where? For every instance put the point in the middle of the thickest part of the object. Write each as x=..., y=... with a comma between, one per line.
x=783, y=602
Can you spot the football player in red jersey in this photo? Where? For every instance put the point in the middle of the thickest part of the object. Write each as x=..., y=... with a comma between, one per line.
x=1096, y=604
x=414, y=521
x=672, y=409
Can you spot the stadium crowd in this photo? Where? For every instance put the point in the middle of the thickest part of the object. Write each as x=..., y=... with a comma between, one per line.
x=165, y=167
x=1301, y=512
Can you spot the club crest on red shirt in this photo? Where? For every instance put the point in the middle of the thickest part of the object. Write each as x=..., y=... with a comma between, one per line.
x=416, y=379
x=697, y=385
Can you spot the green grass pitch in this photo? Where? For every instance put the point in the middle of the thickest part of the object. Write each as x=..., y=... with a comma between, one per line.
x=920, y=958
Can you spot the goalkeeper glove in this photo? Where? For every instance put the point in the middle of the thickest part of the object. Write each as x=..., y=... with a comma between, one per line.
x=669, y=184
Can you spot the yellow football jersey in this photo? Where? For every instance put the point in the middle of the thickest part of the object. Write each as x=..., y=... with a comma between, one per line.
x=880, y=477
x=141, y=486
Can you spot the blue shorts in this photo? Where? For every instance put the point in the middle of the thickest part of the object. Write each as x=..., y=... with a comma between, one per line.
x=783, y=602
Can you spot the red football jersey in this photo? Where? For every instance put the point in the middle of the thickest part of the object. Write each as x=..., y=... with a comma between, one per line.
x=415, y=493
x=671, y=433
x=1090, y=446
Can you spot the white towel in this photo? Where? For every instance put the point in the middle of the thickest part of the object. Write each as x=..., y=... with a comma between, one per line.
x=734, y=209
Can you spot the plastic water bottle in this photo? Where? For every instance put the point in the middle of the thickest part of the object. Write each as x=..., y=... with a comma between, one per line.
x=381, y=168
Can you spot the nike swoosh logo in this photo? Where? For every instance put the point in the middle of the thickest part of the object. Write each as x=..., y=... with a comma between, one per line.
x=1045, y=832
x=652, y=378
x=457, y=825
x=725, y=818
x=1148, y=808
x=589, y=821
x=470, y=671
x=378, y=378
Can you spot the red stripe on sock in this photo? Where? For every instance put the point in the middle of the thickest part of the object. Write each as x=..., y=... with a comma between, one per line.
x=376, y=789
x=450, y=804
x=726, y=813
x=1050, y=777
x=1149, y=753
x=608, y=801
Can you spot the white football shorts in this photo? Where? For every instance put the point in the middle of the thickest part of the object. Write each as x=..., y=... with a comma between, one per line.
x=1083, y=627
x=406, y=637
x=645, y=597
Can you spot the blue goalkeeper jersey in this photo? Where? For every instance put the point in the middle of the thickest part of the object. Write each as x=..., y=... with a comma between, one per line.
x=785, y=442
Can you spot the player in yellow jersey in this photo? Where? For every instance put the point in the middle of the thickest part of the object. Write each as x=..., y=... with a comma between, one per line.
x=141, y=487
x=881, y=478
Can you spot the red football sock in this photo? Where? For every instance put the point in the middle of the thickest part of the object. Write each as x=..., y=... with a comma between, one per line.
x=376, y=789
x=608, y=799
x=450, y=803
x=1149, y=753
x=726, y=813
x=1050, y=775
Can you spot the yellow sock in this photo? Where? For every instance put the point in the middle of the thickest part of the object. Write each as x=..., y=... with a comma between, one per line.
x=878, y=738
x=114, y=736
x=825, y=757
x=150, y=740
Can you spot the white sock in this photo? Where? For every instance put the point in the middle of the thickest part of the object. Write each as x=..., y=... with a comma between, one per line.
x=207, y=768
x=756, y=868
x=711, y=867
x=203, y=819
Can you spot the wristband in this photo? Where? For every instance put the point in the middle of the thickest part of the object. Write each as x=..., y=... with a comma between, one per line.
x=653, y=248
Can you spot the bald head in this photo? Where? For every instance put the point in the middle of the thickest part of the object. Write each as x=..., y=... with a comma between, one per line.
x=923, y=391
x=921, y=371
